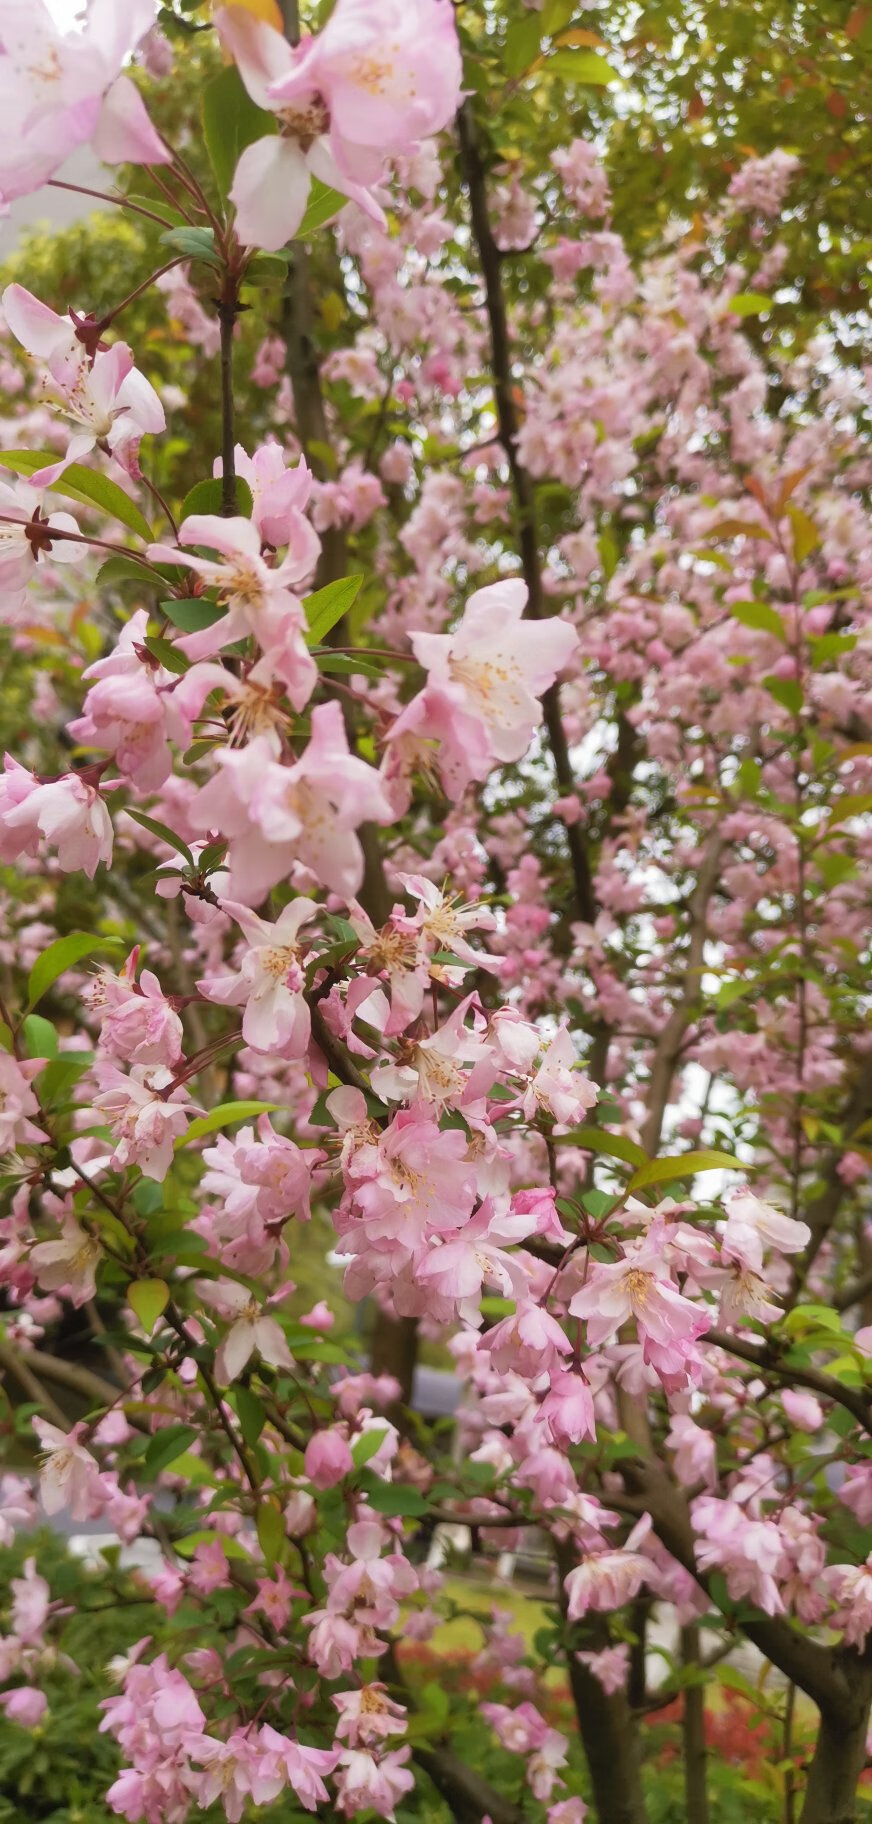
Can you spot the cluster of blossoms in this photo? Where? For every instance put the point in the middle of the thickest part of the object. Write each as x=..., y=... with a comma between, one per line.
x=440, y=926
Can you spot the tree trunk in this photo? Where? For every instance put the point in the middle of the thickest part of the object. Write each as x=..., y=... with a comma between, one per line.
x=611, y=1747
x=606, y=1726
x=837, y=1763
x=693, y=1734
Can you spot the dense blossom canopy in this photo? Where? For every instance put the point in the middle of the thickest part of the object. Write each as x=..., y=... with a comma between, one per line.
x=442, y=820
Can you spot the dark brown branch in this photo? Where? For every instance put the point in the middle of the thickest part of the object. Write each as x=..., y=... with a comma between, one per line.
x=768, y=1363
x=668, y=1048
x=522, y=485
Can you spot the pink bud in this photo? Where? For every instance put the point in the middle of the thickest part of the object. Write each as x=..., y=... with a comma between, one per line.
x=328, y=1459
x=26, y=1706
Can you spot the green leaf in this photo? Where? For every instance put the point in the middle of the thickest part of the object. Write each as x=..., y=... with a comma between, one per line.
x=166, y=1445
x=270, y=1530
x=750, y=304
x=83, y=485
x=582, y=66
x=195, y=243
x=266, y=269
x=734, y=991
x=250, y=1414
x=166, y=654
x=522, y=44
x=787, y=692
x=231, y=121
x=118, y=570
x=805, y=533
x=164, y=833
x=192, y=612
x=366, y=1446
x=394, y=1498
x=324, y=203
x=40, y=1037
x=596, y=1140
x=223, y=1116
x=760, y=617
x=208, y=497
x=231, y=1547
x=63, y=954
x=148, y=1299
x=683, y=1165
x=328, y=605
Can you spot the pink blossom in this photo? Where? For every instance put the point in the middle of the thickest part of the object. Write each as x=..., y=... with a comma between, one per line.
x=138, y=1025
x=328, y=1459
x=145, y=1113
x=604, y=1580
x=640, y=1288
x=611, y=1666
x=305, y=1769
x=484, y=682
x=367, y=1716
x=70, y=814
x=251, y=1330
x=31, y=1597
x=105, y=395
x=530, y=1342
x=69, y=1476
x=60, y=89
x=70, y=1264
x=567, y=1413
x=802, y=1409
x=752, y=1226
x=132, y=711
x=21, y=507
x=270, y=980
x=849, y=1587
x=258, y=596
x=25, y=1706
x=363, y=1783
x=18, y=1102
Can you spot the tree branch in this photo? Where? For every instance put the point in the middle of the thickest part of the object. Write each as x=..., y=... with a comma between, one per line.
x=522, y=485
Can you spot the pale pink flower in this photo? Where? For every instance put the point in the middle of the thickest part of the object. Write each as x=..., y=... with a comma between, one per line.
x=270, y=980
x=557, y=1086
x=145, y=1114
x=71, y=815
x=252, y=1329
x=752, y=1226
x=60, y=89
x=305, y=1769
x=567, y=1412
x=24, y=536
x=530, y=1342
x=695, y=1454
x=138, y=1025
x=485, y=680
x=849, y=1587
x=133, y=710
x=280, y=494
x=30, y=1603
x=365, y=1784
x=367, y=1716
x=25, y=1706
x=639, y=1288
x=604, y=1580
x=802, y=1409
x=68, y=1266
x=69, y=1476
x=328, y=1459
x=18, y=1102
x=611, y=1666
x=258, y=597
x=309, y=812
x=105, y=396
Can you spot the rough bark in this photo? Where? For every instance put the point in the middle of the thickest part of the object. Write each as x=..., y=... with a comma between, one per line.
x=607, y=1731
x=839, y=1757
